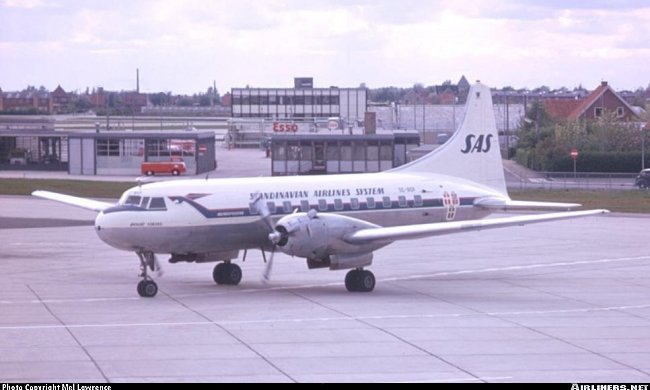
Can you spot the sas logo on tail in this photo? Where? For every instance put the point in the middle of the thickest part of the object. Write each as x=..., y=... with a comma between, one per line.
x=480, y=144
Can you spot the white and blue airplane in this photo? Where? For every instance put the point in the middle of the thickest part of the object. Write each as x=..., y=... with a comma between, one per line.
x=334, y=222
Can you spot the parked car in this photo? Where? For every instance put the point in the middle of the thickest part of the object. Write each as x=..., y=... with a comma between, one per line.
x=643, y=179
x=175, y=167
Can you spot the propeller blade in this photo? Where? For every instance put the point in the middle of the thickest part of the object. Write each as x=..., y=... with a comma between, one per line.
x=263, y=210
x=157, y=267
x=266, y=275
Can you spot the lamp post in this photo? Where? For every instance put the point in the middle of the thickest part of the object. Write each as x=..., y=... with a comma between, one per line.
x=535, y=121
x=643, y=147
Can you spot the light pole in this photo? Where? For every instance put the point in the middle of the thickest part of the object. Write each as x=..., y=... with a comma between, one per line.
x=643, y=147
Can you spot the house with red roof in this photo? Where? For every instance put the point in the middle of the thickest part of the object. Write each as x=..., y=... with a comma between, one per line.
x=61, y=100
x=602, y=101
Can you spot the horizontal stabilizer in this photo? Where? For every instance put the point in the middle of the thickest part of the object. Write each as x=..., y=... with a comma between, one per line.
x=390, y=234
x=83, y=203
x=498, y=203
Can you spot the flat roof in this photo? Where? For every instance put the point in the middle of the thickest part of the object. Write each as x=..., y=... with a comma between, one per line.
x=331, y=137
x=345, y=137
x=108, y=134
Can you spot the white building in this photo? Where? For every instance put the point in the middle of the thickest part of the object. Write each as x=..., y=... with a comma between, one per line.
x=349, y=104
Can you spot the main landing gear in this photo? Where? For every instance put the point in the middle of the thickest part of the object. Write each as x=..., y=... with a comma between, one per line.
x=360, y=280
x=227, y=273
x=147, y=288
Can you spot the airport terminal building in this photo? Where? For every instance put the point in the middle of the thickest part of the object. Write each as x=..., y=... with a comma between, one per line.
x=317, y=154
x=104, y=153
x=302, y=101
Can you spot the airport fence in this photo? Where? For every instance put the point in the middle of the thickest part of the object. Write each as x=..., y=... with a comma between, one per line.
x=571, y=180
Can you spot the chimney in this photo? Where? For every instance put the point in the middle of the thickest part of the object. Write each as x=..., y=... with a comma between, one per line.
x=603, y=83
x=137, y=80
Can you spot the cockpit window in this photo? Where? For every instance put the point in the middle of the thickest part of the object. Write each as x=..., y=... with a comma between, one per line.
x=145, y=202
x=157, y=204
x=133, y=200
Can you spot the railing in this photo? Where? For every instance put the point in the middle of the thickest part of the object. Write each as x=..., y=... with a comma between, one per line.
x=570, y=180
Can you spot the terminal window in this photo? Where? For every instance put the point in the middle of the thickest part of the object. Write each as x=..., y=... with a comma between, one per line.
x=108, y=147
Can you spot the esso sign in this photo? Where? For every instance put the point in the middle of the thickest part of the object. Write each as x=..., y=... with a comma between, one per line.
x=279, y=127
x=333, y=124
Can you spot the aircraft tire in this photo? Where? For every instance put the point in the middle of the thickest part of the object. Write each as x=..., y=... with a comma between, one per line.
x=217, y=273
x=360, y=281
x=233, y=274
x=140, y=284
x=351, y=282
x=227, y=273
x=147, y=288
x=366, y=281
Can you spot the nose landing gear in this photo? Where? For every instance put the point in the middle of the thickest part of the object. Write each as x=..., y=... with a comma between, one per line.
x=147, y=288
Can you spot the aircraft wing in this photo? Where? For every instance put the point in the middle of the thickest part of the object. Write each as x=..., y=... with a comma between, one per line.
x=390, y=234
x=84, y=203
x=498, y=203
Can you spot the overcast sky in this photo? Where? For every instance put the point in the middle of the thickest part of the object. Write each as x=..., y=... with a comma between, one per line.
x=183, y=45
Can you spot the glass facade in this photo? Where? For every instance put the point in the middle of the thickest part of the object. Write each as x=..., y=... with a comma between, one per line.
x=299, y=155
x=347, y=103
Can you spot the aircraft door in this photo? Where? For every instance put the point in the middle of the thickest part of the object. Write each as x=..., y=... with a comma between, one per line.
x=451, y=202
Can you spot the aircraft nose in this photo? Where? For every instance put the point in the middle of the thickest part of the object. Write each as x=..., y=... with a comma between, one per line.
x=99, y=223
x=103, y=225
x=109, y=226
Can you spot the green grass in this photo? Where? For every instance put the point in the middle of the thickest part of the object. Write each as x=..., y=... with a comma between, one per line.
x=83, y=188
x=630, y=201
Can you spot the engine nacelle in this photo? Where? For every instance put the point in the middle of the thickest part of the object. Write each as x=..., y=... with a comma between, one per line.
x=320, y=238
x=341, y=261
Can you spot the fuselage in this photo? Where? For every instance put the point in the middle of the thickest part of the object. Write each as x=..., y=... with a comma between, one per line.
x=201, y=216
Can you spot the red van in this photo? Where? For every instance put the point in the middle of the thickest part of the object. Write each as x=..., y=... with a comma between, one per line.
x=174, y=167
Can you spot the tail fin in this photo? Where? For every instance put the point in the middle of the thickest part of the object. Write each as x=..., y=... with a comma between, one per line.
x=473, y=152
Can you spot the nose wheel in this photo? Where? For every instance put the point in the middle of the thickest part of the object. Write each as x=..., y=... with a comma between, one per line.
x=360, y=280
x=147, y=288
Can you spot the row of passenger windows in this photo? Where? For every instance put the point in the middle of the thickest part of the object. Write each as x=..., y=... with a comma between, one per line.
x=355, y=204
x=156, y=203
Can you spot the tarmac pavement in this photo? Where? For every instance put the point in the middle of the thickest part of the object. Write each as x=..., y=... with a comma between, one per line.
x=566, y=301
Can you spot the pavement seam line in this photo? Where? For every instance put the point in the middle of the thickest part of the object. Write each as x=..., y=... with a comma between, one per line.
x=231, y=334
x=366, y=323
x=60, y=321
x=501, y=316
